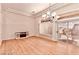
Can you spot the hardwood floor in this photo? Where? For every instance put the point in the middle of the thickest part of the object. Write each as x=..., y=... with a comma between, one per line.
x=36, y=46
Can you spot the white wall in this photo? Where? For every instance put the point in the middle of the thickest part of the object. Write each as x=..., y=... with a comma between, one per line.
x=46, y=28
x=37, y=24
x=0, y=21
x=14, y=22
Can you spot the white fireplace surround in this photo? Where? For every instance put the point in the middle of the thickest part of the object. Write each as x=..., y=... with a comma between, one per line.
x=21, y=34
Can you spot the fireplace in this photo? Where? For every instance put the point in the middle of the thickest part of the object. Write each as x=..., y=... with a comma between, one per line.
x=21, y=34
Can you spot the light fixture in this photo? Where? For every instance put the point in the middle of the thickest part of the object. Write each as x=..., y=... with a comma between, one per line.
x=44, y=15
x=48, y=13
x=53, y=14
x=58, y=16
x=33, y=11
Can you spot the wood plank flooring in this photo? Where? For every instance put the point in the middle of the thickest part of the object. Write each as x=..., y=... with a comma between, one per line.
x=36, y=46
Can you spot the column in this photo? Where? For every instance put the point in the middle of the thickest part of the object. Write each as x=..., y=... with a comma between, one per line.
x=54, y=30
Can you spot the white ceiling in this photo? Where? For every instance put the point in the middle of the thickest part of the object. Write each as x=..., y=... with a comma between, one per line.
x=28, y=8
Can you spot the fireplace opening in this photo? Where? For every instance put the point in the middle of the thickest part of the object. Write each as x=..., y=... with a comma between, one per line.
x=21, y=34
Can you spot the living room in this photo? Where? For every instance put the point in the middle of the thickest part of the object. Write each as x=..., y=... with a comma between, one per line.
x=49, y=24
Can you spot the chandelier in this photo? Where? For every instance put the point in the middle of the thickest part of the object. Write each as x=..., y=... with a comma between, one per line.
x=49, y=14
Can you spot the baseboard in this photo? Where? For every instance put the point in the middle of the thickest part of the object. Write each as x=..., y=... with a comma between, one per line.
x=39, y=35
x=46, y=37
x=18, y=37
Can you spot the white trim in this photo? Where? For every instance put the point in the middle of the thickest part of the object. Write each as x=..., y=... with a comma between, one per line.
x=11, y=10
x=68, y=19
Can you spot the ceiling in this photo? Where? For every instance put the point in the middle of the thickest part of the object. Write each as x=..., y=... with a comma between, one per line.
x=29, y=8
